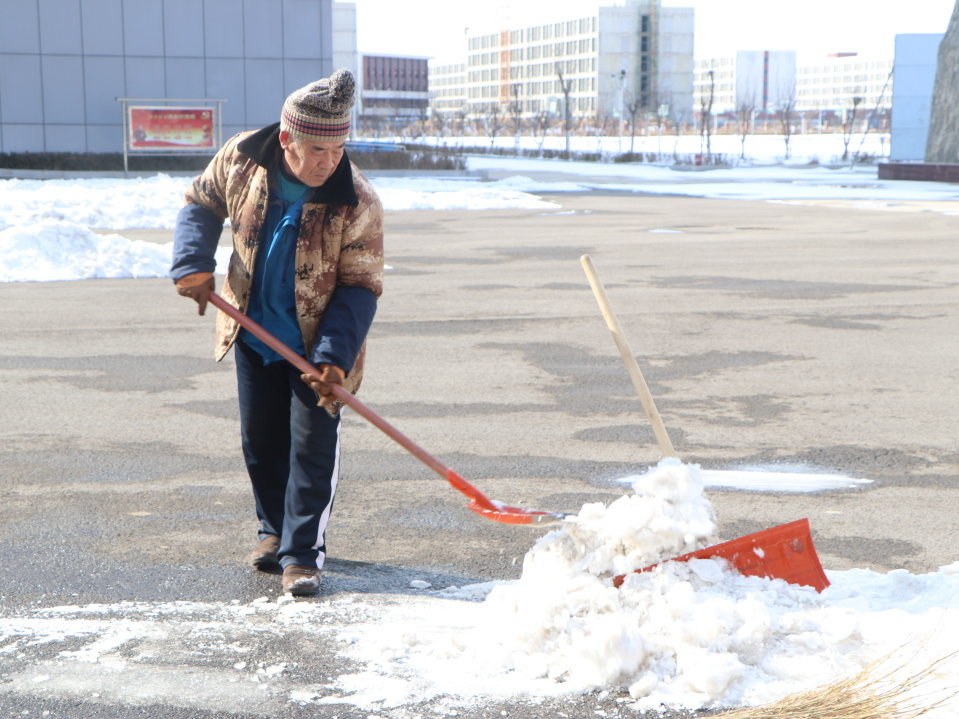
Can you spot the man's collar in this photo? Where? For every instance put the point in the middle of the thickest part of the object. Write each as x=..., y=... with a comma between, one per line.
x=263, y=147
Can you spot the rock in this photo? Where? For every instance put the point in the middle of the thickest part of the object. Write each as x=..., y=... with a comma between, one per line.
x=942, y=145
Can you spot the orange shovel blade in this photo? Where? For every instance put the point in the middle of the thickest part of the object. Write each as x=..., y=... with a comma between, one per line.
x=506, y=514
x=783, y=552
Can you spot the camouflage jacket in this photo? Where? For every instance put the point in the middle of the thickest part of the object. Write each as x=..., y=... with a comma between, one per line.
x=340, y=241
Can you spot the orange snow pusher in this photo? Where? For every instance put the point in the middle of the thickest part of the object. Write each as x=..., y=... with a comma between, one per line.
x=784, y=552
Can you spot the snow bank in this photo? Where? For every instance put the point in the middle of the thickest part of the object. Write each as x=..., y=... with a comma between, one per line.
x=52, y=250
x=30, y=206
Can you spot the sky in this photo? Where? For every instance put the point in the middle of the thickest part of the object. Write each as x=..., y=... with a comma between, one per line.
x=436, y=27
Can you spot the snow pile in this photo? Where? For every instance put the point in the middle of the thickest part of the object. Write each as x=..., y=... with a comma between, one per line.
x=692, y=634
x=99, y=203
x=53, y=250
x=46, y=228
x=565, y=619
x=667, y=516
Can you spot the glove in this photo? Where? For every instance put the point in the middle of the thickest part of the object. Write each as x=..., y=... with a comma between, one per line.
x=198, y=287
x=330, y=374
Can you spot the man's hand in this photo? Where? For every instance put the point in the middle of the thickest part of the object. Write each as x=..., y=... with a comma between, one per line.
x=329, y=375
x=198, y=287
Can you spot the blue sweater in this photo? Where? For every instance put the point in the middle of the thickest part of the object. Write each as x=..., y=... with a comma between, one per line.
x=273, y=299
x=348, y=316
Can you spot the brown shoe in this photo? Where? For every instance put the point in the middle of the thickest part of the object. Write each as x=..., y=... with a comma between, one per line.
x=264, y=556
x=299, y=579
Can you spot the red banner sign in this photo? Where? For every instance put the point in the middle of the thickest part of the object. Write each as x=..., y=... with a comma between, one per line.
x=171, y=128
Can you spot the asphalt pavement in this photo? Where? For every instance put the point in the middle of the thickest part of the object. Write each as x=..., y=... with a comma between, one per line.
x=817, y=338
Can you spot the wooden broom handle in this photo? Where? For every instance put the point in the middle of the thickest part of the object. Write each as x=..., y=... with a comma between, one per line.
x=632, y=366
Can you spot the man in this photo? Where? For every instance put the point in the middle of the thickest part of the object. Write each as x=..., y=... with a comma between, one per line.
x=307, y=264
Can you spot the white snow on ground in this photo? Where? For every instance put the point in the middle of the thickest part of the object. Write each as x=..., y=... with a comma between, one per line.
x=36, y=216
x=693, y=634
x=688, y=634
x=791, y=479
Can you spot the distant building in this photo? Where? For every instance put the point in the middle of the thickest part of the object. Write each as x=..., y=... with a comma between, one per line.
x=64, y=64
x=766, y=80
x=638, y=54
x=820, y=90
x=448, y=94
x=714, y=85
x=760, y=81
x=392, y=89
x=834, y=82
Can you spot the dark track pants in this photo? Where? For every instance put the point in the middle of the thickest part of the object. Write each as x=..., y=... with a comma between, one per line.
x=292, y=452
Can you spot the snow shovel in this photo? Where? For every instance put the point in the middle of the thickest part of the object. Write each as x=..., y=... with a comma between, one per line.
x=784, y=552
x=489, y=508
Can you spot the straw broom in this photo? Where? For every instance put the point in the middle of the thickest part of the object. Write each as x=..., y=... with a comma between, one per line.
x=877, y=692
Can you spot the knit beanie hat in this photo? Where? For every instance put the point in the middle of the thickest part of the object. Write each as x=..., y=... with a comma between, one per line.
x=320, y=112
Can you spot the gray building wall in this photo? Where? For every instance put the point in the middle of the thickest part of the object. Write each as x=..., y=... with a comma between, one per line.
x=63, y=63
x=915, y=78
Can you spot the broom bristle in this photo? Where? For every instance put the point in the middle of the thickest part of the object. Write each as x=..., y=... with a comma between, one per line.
x=879, y=691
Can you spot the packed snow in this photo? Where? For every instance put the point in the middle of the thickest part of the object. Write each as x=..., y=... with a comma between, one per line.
x=690, y=634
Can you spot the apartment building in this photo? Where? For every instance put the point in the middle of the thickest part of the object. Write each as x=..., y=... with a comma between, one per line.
x=638, y=54
x=447, y=87
x=834, y=81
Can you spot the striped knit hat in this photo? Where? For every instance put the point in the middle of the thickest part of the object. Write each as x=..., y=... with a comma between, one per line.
x=320, y=112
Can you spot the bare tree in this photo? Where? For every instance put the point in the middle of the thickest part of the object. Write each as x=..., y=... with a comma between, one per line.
x=424, y=119
x=679, y=114
x=461, y=116
x=494, y=122
x=706, y=115
x=745, y=114
x=633, y=107
x=515, y=112
x=848, y=125
x=566, y=86
x=787, y=104
x=440, y=122
x=599, y=131
x=662, y=115
x=541, y=122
